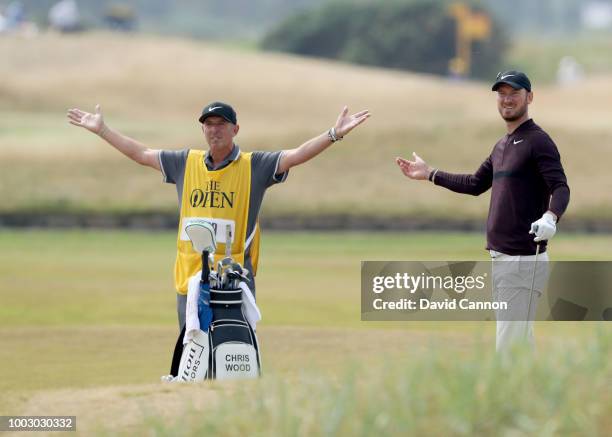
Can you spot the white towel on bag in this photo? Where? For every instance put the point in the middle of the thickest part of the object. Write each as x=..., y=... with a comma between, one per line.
x=249, y=307
x=192, y=322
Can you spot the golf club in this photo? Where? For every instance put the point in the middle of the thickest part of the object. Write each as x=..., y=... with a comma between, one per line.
x=535, y=266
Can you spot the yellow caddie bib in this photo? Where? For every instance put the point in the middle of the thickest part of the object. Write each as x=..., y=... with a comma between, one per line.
x=222, y=198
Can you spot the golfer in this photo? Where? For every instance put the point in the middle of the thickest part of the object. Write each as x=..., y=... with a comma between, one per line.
x=529, y=193
x=223, y=185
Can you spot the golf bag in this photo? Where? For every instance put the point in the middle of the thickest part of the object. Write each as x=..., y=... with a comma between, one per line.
x=229, y=350
x=221, y=342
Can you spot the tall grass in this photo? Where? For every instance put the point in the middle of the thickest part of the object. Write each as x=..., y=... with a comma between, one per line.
x=156, y=91
x=564, y=391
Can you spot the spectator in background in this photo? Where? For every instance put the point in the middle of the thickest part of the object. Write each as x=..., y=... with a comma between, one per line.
x=3, y=26
x=14, y=21
x=569, y=71
x=64, y=16
x=121, y=17
x=14, y=15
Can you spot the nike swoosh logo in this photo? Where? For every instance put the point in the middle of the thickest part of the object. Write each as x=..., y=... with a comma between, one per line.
x=516, y=142
x=507, y=75
x=213, y=108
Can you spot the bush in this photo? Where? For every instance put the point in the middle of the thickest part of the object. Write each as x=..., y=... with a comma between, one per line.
x=417, y=35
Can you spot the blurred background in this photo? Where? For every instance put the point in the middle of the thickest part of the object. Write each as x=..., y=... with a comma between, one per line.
x=423, y=68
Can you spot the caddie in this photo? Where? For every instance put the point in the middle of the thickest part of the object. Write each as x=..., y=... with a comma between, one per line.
x=529, y=193
x=223, y=185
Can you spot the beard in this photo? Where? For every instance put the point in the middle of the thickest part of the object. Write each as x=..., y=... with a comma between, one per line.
x=518, y=113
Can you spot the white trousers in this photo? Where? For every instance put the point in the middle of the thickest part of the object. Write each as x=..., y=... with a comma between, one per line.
x=512, y=279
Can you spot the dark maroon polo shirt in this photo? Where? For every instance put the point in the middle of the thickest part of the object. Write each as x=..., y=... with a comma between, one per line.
x=527, y=179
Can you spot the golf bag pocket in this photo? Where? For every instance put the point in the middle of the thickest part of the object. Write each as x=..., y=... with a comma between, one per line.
x=193, y=366
x=230, y=331
x=236, y=361
x=234, y=346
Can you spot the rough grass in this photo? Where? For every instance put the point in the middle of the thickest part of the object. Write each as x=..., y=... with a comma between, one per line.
x=158, y=87
x=440, y=393
x=350, y=382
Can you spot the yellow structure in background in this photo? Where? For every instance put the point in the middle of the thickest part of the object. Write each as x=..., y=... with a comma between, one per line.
x=471, y=26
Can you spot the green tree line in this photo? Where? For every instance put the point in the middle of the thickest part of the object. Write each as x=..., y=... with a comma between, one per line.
x=418, y=35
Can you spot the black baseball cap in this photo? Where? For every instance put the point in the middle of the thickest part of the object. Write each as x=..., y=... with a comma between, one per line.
x=219, y=109
x=515, y=79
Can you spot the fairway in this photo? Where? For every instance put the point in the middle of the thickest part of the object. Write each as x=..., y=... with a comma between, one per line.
x=125, y=278
x=91, y=319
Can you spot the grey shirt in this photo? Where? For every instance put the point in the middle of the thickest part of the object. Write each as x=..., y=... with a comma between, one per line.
x=264, y=166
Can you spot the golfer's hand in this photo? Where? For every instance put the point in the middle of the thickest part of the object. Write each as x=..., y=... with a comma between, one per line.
x=91, y=122
x=347, y=123
x=544, y=228
x=417, y=169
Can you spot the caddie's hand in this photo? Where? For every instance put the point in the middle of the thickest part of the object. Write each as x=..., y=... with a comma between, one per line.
x=417, y=169
x=91, y=122
x=544, y=228
x=347, y=123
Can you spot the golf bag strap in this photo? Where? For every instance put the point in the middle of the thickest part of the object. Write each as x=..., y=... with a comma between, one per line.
x=178, y=353
x=250, y=238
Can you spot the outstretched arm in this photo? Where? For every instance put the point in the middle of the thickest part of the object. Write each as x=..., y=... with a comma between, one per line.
x=474, y=184
x=129, y=147
x=314, y=146
x=417, y=169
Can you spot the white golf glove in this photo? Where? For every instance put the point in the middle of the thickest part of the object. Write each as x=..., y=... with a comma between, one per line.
x=545, y=228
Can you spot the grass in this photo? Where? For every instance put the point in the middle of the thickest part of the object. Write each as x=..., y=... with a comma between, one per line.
x=47, y=164
x=542, y=59
x=325, y=381
x=125, y=278
x=87, y=320
x=438, y=394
